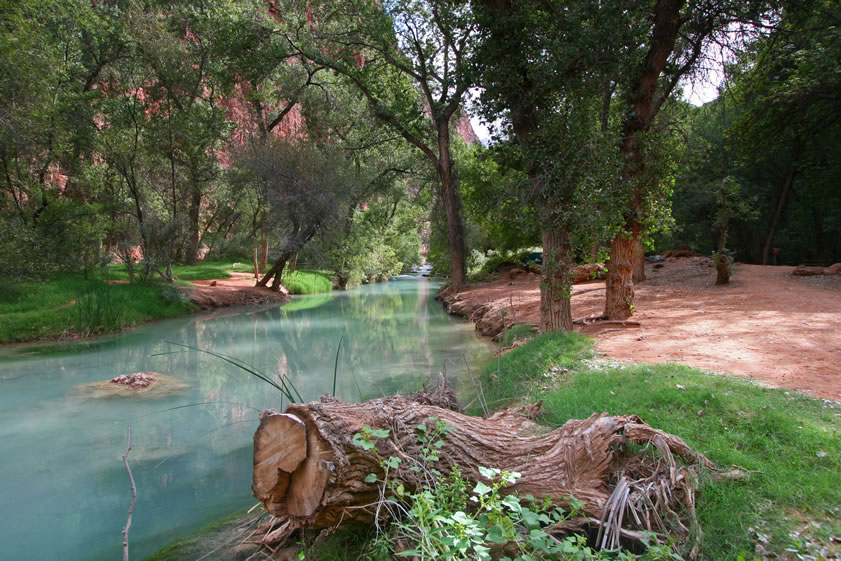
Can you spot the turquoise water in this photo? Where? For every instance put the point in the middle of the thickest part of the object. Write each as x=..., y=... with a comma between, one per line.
x=64, y=493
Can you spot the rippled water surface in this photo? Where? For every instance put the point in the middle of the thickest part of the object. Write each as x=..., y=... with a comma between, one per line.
x=64, y=492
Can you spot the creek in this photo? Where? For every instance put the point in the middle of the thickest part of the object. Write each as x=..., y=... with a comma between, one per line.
x=64, y=492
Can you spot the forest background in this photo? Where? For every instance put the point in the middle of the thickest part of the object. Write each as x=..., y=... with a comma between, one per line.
x=337, y=135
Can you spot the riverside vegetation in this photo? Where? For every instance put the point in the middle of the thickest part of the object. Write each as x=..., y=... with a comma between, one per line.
x=69, y=305
x=787, y=445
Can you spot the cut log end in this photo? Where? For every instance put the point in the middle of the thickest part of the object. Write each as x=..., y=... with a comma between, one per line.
x=280, y=445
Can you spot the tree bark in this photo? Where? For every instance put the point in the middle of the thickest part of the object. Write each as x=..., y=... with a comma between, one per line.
x=308, y=470
x=619, y=296
x=555, y=286
x=780, y=209
x=619, y=283
x=452, y=207
x=639, y=262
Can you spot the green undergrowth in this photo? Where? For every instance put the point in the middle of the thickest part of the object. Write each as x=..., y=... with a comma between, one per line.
x=205, y=270
x=517, y=333
x=788, y=444
x=306, y=281
x=67, y=305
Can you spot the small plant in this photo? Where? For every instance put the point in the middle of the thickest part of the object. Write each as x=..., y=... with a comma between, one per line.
x=449, y=518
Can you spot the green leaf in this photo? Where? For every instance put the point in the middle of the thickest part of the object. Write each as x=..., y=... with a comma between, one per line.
x=393, y=462
x=496, y=534
x=380, y=433
x=481, y=489
x=489, y=473
x=370, y=478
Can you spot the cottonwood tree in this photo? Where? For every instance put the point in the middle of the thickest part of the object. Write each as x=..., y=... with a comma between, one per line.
x=52, y=56
x=669, y=49
x=543, y=68
x=307, y=189
x=786, y=88
x=410, y=62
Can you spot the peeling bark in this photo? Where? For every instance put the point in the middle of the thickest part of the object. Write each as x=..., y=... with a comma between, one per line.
x=583, y=458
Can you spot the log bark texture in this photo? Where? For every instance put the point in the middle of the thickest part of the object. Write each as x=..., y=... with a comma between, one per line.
x=316, y=478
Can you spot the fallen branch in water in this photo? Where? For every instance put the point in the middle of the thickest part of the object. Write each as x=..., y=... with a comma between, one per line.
x=127, y=527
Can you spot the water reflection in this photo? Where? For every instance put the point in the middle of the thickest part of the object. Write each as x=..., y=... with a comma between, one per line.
x=62, y=474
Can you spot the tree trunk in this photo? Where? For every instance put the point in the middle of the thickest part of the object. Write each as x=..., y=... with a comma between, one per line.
x=619, y=288
x=264, y=243
x=780, y=209
x=193, y=215
x=555, y=286
x=276, y=272
x=722, y=271
x=646, y=101
x=309, y=471
x=452, y=207
x=639, y=262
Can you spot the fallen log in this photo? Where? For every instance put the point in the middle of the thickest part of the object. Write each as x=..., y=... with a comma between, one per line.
x=309, y=472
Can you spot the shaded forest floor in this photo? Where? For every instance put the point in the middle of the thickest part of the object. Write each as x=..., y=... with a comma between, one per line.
x=766, y=324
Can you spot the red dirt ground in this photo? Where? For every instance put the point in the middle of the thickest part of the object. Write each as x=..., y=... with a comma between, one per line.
x=781, y=330
x=238, y=290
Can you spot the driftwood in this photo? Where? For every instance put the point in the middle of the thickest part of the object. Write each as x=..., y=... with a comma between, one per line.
x=310, y=474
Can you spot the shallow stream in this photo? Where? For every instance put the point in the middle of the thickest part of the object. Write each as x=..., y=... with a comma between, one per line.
x=64, y=492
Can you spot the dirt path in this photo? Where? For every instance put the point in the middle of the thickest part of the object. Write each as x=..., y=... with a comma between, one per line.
x=238, y=290
x=782, y=330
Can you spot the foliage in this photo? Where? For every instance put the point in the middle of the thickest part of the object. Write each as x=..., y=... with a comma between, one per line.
x=486, y=266
x=48, y=309
x=303, y=281
x=449, y=517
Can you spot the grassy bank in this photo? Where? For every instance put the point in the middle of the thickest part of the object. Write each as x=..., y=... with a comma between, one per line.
x=68, y=305
x=307, y=281
x=789, y=443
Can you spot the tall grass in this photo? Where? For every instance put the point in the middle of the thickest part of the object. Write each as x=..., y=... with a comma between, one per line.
x=67, y=304
x=307, y=282
x=99, y=309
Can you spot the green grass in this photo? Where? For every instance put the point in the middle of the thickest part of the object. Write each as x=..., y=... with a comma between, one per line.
x=201, y=271
x=304, y=281
x=521, y=332
x=790, y=443
x=47, y=310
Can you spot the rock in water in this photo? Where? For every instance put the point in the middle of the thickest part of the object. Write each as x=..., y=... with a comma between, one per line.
x=146, y=385
x=136, y=381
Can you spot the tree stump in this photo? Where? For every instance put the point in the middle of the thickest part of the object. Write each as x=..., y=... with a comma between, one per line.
x=309, y=472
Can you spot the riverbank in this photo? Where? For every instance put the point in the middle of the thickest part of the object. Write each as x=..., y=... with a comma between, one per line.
x=767, y=324
x=69, y=307
x=787, y=445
